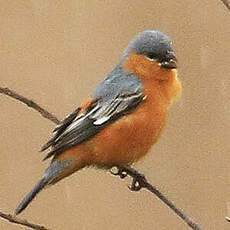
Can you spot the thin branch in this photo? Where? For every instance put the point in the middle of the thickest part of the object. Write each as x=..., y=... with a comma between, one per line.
x=30, y=103
x=139, y=182
x=226, y=3
x=19, y=221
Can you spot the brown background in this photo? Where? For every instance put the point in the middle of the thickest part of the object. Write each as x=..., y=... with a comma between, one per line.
x=44, y=48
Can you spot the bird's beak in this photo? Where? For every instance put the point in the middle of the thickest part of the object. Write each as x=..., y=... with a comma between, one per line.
x=171, y=64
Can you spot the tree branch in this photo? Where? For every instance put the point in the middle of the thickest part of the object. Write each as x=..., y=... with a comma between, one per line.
x=226, y=3
x=139, y=180
x=30, y=103
x=19, y=221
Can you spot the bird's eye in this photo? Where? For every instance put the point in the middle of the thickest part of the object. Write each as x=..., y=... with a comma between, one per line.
x=151, y=56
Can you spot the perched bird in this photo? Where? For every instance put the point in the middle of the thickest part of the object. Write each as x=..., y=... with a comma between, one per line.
x=124, y=117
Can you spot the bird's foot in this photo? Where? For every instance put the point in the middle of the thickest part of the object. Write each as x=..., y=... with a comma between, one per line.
x=139, y=181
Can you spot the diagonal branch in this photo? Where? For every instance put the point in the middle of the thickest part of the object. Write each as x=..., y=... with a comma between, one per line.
x=19, y=221
x=30, y=103
x=139, y=180
x=226, y=3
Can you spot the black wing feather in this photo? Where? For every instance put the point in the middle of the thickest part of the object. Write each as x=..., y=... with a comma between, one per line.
x=60, y=128
x=87, y=128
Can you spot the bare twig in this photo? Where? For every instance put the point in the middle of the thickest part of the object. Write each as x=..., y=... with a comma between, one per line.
x=19, y=221
x=139, y=182
x=30, y=103
x=226, y=3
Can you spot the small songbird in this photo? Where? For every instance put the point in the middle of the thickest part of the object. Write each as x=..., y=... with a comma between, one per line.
x=124, y=117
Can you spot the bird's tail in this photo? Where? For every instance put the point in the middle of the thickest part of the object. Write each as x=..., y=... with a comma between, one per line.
x=56, y=171
x=30, y=196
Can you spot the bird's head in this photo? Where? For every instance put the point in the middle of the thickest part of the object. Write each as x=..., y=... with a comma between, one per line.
x=150, y=51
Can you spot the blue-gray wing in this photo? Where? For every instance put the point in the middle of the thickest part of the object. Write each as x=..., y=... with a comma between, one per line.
x=114, y=97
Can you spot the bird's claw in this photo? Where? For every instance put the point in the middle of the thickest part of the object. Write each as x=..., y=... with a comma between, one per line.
x=135, y=186
x=138, y=182
x=120, y=172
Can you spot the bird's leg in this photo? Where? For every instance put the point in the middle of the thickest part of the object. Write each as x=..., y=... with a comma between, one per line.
x=139, y=180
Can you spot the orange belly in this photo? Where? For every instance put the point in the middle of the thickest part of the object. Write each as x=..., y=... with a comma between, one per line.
x=130, y=138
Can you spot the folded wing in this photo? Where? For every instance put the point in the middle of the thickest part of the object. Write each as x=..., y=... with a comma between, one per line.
x=104, y=109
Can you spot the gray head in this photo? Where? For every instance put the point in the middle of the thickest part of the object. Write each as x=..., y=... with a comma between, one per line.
x=155, y=45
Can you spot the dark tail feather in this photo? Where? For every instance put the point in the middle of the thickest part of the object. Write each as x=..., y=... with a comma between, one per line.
x=54, y=173
x=30, y=196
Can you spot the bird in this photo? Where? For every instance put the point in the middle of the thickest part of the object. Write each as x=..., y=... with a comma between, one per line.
x=124, y=117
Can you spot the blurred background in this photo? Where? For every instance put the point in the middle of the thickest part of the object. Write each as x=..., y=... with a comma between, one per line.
x=56, y=52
